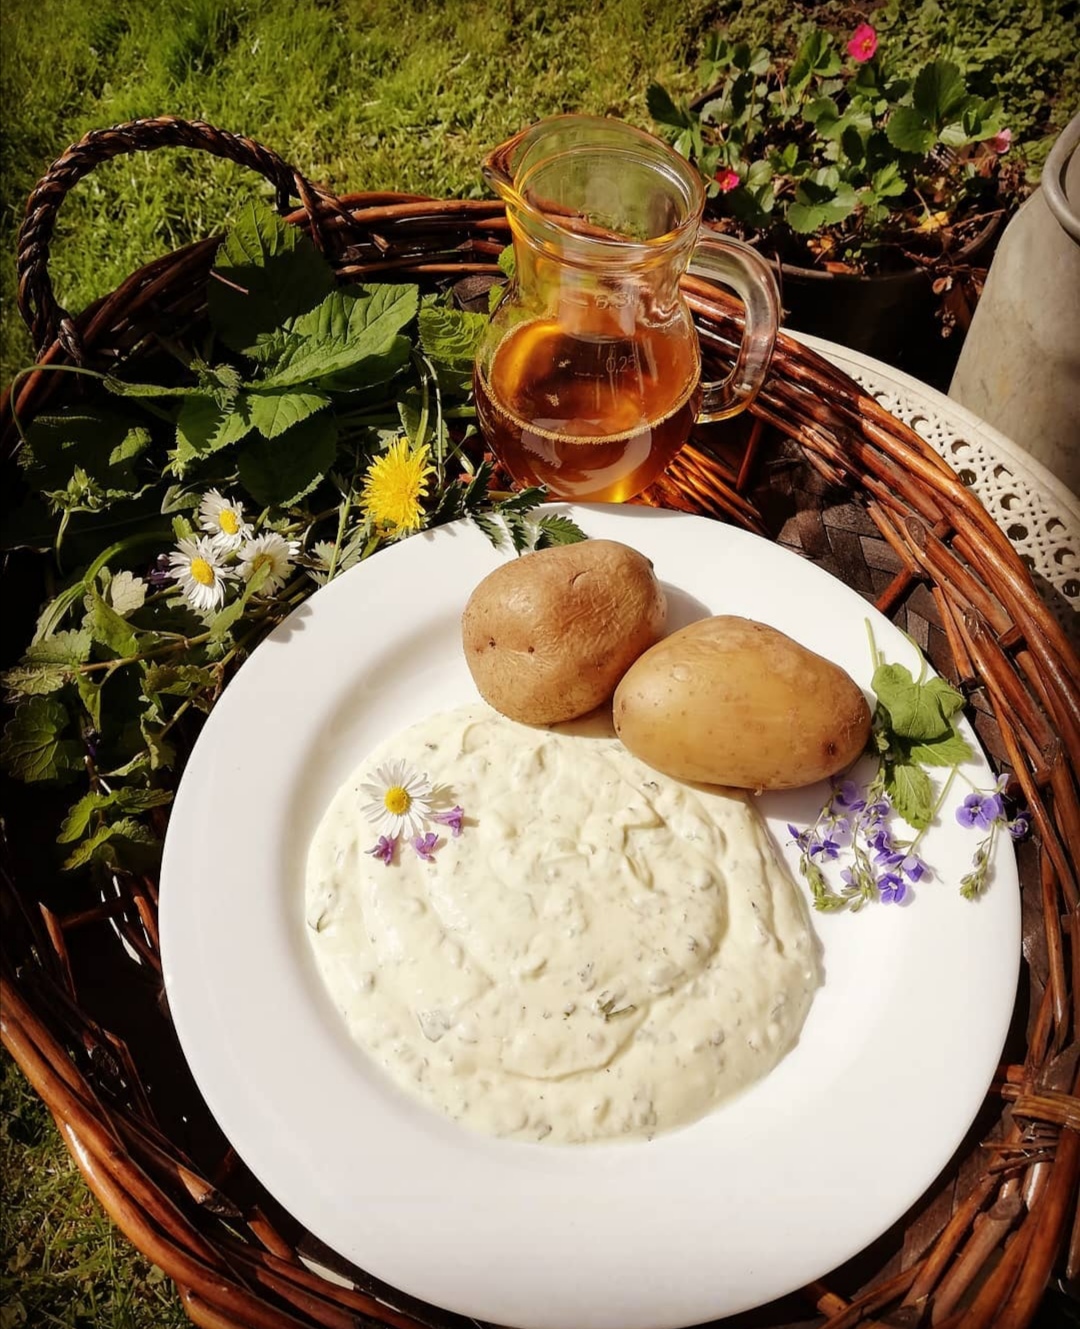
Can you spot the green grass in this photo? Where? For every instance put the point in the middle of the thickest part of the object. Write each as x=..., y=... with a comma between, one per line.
x=62, y=1262
x=359, y=94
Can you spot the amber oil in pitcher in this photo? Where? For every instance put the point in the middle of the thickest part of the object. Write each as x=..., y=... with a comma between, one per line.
x=585, y=409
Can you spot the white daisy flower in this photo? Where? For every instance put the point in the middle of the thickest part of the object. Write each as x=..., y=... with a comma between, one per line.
x=223, y=520
x=268, y=550
x=401, y=800
x=197, y=566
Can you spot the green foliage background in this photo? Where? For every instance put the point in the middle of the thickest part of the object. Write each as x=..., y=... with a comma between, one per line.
x=359, y=94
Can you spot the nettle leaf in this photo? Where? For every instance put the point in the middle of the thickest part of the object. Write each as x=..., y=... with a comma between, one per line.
x=340, y=332
x=35, y=680
x=90, y=696
x=127, y=593
x=272, y=413
x=281, y=471
x=451, y=337
x=911, y=793
x=203, y=428
x=33, y=749
x=177, y=680
x=104, y=444
x=265, y=272
x=125, y=845
x=79, y=816
x=908, y=131
x=108, y=628
x=371, y=372
x=507, y=263
x=939, y=93
x=71, y=648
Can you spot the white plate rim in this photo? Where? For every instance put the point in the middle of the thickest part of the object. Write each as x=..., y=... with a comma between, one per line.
x=516, y=1233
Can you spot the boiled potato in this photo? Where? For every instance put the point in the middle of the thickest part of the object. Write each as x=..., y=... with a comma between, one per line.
x=729, y=701
x=548, y=636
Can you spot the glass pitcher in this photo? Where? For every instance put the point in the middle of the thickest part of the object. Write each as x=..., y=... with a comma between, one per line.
x=588, y=379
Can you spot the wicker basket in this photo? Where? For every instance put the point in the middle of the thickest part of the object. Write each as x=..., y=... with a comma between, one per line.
x=815, y=464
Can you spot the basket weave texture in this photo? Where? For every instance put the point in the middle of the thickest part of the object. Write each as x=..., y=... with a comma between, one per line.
x=815, y=464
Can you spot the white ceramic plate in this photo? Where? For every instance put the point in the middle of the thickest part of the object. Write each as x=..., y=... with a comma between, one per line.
x=768, y=1192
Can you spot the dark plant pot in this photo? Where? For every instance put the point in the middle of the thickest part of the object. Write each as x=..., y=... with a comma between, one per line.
x=892, y=316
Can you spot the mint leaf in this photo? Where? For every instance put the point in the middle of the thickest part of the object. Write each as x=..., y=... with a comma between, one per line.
x=950, y=750
x=507, y=263
x=911, y=793
x=265, y=272
x=272, y=413
x=908, y=131
x=281, y=471
x=203, y=428
x=32, y=748
x=344, y=329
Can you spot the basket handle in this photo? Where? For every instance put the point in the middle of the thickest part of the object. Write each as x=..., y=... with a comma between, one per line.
x=47, y=320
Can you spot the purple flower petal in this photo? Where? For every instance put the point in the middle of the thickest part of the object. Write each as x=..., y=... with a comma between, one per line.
x=425, y=845
x=384, y=850
x=891, y=888
x=1019, y=826
x=914, y=868
x=848, y=796
x=454, y=817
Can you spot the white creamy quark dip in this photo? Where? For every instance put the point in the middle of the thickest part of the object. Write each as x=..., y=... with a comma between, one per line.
x=603, y=951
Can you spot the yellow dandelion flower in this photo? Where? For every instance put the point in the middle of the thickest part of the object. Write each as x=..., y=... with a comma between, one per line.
x=395, y=485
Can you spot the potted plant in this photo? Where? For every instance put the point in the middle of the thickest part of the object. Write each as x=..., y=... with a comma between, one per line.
x=877, y=195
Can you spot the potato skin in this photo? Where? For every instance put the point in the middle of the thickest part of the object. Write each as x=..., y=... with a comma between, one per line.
x=548, y=636
x=733, y=702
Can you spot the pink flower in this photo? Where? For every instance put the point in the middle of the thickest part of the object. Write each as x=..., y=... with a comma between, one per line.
x=863, y=43
x=727, y=179
x=1002, y=142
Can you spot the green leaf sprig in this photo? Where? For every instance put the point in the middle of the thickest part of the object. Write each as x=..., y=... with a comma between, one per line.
x=245, y=465
x=914, y=732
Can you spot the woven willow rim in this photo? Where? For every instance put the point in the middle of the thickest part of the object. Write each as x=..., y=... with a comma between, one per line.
x=821, y=466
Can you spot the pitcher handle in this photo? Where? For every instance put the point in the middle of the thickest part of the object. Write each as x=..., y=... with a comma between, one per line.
x=738, y=265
